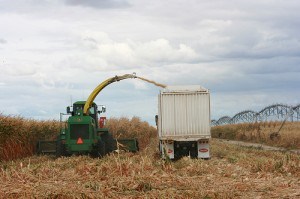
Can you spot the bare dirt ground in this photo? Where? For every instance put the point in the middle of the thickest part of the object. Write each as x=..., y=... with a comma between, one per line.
x=260, y=146
x=232, y=172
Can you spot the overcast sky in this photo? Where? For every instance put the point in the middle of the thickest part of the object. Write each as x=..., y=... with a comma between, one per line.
x=247, y=52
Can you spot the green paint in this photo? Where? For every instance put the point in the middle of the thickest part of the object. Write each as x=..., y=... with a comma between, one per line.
x=82, y=135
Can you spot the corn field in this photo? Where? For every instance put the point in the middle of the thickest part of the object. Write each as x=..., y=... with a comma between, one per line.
x=232, y=172
x=288, y=137
x=132, y=128
x=18, y=136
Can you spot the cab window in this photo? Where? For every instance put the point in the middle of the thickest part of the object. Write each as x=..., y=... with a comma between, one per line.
x=92, y=110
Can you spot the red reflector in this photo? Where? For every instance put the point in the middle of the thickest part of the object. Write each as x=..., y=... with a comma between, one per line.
x=170, y=151
x=79, y=141
x=203, y=150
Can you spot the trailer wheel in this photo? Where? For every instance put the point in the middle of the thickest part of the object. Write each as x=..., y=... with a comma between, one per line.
x=60, y=149
x=160, y=149
x=177, y=154
x=194, y=153
x=137, y=145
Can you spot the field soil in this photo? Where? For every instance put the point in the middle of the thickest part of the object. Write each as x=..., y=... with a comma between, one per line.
x=259, y=146
x=232, y=172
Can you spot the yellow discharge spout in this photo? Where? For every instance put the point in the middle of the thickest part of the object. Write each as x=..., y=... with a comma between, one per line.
x=101, y=86
x=105, y=83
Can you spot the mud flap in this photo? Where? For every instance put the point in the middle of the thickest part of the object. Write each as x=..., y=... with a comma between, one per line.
x=167, y=149
x=203, y=149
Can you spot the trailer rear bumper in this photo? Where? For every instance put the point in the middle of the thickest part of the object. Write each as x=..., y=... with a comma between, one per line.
x=176, y=149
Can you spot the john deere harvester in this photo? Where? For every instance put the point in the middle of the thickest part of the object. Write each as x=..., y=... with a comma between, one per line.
x=84, y=133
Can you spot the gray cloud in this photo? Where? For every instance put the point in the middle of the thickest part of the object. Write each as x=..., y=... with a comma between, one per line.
x=99, y=3
x=3, y=41
x=246, y=53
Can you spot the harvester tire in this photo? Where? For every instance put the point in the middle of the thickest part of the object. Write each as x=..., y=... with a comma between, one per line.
x=60, y=149
x=110, y=142
x=99, y=149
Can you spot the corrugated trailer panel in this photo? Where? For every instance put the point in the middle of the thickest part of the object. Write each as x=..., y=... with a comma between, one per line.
x=184, y=114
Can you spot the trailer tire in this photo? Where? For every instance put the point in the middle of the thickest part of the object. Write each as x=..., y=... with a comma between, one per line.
x=177, y=154
x=160, y=149
x=137, y=145
x=194, y=153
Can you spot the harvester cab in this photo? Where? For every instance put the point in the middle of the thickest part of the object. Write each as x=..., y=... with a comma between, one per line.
x=78, y=110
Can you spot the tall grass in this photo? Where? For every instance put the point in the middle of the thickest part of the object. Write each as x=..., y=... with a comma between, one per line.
x=288, y=137
x=132, y=128
x=18, y=136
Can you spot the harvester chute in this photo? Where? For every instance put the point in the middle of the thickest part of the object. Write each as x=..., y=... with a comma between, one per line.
x=101, y=86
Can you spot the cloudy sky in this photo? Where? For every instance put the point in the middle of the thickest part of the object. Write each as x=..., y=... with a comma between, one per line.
x=247, y=52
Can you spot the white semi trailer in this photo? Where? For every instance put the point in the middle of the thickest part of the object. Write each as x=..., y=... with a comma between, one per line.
x=184, y=122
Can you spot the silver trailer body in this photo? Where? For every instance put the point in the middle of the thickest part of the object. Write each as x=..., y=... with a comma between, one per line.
x=184, y=121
